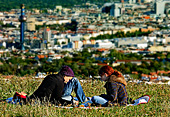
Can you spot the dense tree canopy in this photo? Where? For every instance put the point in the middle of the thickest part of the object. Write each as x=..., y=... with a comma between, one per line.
x=6, y=5
x=121, y=34
x=82, y=63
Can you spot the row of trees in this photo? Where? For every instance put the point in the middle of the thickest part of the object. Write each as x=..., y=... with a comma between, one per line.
x=6, y=5
x=63, y=27
x=20, y=67
x=121, y=34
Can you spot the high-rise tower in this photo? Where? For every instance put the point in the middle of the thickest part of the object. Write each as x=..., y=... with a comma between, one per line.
x=139, y=1
x=47, y=34
x=22, y=19
x=122, y=1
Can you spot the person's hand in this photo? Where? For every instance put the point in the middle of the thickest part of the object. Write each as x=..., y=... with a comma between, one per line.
x=75, y=103
x=22, y=93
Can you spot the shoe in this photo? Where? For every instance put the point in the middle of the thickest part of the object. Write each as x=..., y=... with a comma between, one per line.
x=142, y=100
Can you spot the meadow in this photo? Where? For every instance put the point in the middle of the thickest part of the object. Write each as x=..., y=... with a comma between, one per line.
x=159, y=104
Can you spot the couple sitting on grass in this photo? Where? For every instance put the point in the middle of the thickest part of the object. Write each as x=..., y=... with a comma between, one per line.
x=57, y=89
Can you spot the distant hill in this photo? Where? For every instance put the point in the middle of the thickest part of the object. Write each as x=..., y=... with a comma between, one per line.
x=6, y=5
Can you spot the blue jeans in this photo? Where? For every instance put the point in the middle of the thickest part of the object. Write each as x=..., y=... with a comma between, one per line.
x=75, y=85
x=96, y=100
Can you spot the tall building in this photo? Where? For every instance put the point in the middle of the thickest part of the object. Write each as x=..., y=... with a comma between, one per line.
x=22, y=19
x=47, y=34
x=99, y=17
x=139, y=1
x=122, y=1
x=160, y=7
x=115, y=10
x=30, y=24
x=134, y=1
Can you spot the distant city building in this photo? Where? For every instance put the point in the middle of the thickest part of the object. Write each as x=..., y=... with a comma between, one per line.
x=4, y=44
x=63, y=21
x=99, y=17
x=148, y=1
x=47, y=34
x=137, y=42
x=115, y=10
x=160, y=7
x=30, y=24
x=159, y=48
x=36, y=44
x=104, y=44
x=22, y=20
x=58, y=7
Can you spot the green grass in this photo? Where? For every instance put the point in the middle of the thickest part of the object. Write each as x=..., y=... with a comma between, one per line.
x=158, y=105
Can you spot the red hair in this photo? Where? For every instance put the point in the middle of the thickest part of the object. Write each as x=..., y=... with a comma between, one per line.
x=110, y=71
x=106, y=69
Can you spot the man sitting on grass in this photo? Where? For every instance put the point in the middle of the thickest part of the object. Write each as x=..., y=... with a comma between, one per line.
x=56, y=88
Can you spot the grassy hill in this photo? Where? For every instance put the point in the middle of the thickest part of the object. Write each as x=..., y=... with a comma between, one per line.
x=158, y=105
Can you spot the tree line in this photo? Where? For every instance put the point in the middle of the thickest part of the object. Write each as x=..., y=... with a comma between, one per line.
x=6, y=5
x=121, y=34
x=15, y=65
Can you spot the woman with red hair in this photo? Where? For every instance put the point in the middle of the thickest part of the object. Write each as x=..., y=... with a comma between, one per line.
x=115, y=88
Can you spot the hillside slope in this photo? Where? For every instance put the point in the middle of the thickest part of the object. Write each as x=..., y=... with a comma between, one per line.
x=158, y=105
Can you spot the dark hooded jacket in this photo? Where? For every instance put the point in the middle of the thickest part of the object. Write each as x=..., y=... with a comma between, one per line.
x=116, y=91
x=50, y=89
